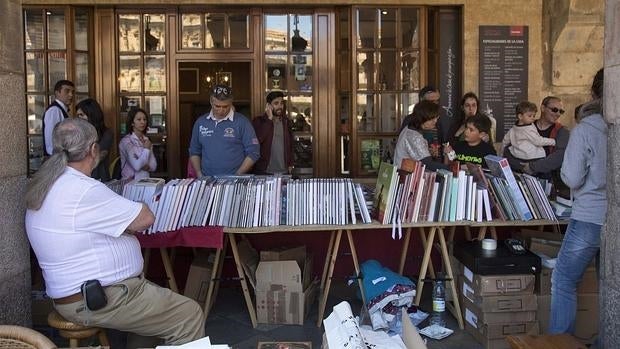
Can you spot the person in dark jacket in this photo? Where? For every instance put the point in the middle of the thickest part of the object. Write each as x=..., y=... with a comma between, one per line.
x=275, y=137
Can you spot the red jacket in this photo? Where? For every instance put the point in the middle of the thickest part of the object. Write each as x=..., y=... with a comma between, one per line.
x=264, y=132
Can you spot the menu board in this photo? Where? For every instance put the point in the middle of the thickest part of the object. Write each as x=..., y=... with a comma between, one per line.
x=503, y=75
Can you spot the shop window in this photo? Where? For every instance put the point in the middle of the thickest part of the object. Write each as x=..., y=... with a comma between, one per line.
x=214, y=31
x=56, y=46
x=142, y=76
x=384, y=80
x=288, y=67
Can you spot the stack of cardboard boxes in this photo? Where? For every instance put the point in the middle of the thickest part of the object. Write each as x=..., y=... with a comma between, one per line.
x=548, y=246
x=498, y=305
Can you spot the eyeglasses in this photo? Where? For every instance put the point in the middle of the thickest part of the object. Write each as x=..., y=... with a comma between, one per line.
x=221, y=91
x=556, y=110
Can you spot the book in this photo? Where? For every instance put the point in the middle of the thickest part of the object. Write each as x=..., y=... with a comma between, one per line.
x=385, y=192
x=499, y=167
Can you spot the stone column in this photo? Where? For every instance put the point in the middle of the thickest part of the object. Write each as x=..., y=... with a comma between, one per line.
x=14, y=247
x=610, y=241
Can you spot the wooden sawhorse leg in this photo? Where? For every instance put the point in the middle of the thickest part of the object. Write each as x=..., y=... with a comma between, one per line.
x=172, y=282
x=425, y=260
x=216, y=273
x=404, y=251
x=482, y=233
x=330, y=262
x=244, y=283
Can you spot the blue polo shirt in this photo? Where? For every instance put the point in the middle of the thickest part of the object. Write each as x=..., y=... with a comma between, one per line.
x=224, y=144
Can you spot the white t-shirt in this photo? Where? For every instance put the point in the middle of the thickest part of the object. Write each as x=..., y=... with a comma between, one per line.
x=78, y=235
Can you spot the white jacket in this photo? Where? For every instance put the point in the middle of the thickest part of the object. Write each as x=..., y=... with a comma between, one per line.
x=525, y=143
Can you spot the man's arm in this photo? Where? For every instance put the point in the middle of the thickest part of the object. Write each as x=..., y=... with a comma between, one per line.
x=195, y=161
x=554, y=160
x=246, y=165
x=145, y=219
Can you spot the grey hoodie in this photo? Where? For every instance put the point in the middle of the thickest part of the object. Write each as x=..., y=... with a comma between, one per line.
x=584, y=169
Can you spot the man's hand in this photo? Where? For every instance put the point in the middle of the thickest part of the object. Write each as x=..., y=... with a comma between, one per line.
x=269, y=111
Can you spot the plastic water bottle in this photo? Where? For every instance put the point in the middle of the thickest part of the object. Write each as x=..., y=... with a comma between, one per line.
x=439, y=302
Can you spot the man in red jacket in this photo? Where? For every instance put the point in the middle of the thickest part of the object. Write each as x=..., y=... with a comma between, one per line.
x=275, y=137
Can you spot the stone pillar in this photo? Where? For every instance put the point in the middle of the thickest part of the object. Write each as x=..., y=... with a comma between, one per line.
x=14, y=247
x=610, y=240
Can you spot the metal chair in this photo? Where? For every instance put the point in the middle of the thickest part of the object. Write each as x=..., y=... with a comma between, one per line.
x=17, y=337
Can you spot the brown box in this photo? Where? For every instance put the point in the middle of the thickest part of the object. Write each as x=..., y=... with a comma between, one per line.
x=488, y=334
x=588, y=284
x=496, y=285
x=475, y=315
x=527, y=234
x=284, y=254
x=199, y=277
x=549, y=248
x=290, y=345
x=496, y=304
x=586, y=323
x=284, y=289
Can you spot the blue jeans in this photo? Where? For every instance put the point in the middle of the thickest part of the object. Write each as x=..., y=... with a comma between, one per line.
x=581, y=244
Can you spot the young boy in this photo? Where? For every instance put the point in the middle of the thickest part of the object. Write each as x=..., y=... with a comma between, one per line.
x=523, y=139
x=473, y=149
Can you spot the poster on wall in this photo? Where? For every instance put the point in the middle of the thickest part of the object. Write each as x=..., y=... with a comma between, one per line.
x=503, y=77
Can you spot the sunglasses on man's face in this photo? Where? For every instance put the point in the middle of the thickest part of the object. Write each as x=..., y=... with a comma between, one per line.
x=221, y=91
x=557, y=110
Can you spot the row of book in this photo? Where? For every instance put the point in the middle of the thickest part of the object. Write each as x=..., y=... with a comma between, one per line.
x=248, y=201
x=413, y=194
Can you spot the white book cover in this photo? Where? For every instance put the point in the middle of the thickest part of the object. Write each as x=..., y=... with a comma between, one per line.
x=178, y=202
x=192, y=191
x=418, y=199
x=433, y=205
x=257, y=204
x=169, y=204
x=487, y=205
x=160, y=208
x=479, y=205
x=349, y=184
x=474, y=199
x=461, y=198
x=198, y=212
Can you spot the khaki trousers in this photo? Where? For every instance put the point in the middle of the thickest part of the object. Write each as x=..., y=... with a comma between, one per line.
x=136, y=305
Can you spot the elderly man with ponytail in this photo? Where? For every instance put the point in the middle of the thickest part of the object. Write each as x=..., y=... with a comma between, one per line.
x=82, y=231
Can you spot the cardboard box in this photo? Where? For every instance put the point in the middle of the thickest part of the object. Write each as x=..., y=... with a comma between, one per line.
x=588, y=284
x=284, y=254
x=497, y=285
x=498, y=304
x=475, y=315
x=527, y=234
x=499, y=342
x=284, y=289
x=586, y=323
x=199, y=277
x=288, y=345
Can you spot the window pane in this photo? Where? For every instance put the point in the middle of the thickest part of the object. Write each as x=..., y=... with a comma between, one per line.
x=156, y=107
x=301, y=33
x=154, y=33
x=343, y=30
x=129, y=74
x=81, y=30
x=35, y=153
x=387, y=70
x=387, y=28
x=407, y=102
x=366, y=24
x=365, y=71
x=388, y=112
x=215, y=33
x=239, y=25
x=36, y=109
x=276, y=72
x=301, y=73
x=129, y=33
x=365, y=113
x=191, y=33
x=300, y=113
x=275, y=33
x=56, y=39
x=81, y=72
x=127, y=102
x=345, y=71
x=33, y=23
x=410, y=66
x=375, y=151
x=154, y=73
x=409, y=23
x=57, y=63
x=302, y=149
x=35, y=72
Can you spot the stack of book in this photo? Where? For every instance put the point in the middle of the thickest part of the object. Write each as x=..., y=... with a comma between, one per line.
x=413, y=194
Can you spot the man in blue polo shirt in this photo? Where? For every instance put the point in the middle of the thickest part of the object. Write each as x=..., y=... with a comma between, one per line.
x=223, y=141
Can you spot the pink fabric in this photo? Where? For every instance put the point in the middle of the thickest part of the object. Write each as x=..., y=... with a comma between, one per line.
x=210, y=237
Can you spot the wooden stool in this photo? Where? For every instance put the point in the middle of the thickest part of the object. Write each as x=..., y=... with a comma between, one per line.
x=556, y=341
x=74, y=332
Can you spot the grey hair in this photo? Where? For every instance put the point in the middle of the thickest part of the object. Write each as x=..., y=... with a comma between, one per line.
x=72, y=139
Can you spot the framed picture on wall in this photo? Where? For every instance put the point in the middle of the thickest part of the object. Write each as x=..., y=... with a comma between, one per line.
x=189, y=81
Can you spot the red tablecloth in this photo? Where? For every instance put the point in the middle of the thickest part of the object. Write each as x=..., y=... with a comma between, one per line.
x=210, y=237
